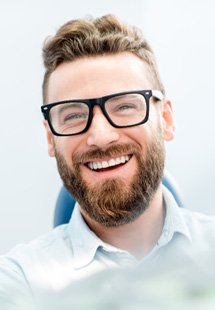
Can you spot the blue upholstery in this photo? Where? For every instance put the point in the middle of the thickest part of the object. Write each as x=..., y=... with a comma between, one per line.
x=65, y=202
x=64, y=207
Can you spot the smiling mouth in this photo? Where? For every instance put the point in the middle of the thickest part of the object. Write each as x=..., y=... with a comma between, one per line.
x=109, y=164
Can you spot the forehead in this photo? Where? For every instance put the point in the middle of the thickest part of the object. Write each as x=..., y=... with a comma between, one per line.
x=98, y=76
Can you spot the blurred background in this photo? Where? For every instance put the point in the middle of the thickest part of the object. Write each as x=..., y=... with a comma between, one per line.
x=182, y=36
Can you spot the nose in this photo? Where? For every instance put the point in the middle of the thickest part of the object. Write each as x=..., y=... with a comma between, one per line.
x=101, y=133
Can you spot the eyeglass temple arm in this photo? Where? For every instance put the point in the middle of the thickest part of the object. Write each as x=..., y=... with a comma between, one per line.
x=158, y=94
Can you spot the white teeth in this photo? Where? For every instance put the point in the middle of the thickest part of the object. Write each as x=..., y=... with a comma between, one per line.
x=105, y=164
x=99, y=165
x=123, y=159
x=117, y=161
x=90, y=165
x=111, y=162
x=95, y=166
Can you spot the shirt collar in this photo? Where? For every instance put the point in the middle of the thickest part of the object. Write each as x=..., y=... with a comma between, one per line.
x=85, y=243
x=174, y=221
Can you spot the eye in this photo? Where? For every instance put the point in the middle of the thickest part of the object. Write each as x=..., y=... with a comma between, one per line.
x=69, y=113
x=72, y=117
x=125, y=107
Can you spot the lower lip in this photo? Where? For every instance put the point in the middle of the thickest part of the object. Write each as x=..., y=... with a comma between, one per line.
x=108, y=169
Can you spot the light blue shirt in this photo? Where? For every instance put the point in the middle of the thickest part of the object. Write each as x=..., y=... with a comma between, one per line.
x=72, y=252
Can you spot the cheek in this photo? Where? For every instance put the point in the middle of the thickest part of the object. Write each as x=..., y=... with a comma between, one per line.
x=144, y=134
x=139, y=135
x=67, y=146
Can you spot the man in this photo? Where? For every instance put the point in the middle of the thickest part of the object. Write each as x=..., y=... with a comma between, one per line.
x=106, y=119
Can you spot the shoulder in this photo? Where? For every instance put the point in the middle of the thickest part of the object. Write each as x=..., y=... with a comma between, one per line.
x=201, y=227
x=198, y=219
x=35, y=262
x=38, y=251
x=198, y=227
x=57, y=238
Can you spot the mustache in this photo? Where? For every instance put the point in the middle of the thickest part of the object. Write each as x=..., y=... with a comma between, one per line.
x=112, y=151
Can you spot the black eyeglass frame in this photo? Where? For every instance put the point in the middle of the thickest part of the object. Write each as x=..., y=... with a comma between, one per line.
x=147, y=94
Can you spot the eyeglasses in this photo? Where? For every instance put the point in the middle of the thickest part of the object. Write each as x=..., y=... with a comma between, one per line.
x=126, y=109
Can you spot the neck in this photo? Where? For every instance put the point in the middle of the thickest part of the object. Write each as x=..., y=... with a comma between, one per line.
x=138, y=237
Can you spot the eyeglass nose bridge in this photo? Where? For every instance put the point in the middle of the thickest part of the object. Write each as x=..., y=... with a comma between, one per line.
x=100, y=102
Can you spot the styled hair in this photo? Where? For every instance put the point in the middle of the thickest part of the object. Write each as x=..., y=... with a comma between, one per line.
x=90, y=37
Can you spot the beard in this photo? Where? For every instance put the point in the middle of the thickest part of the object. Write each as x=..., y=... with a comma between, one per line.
x=117, y=201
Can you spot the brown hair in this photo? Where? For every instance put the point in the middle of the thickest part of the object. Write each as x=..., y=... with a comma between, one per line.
x=92, y=37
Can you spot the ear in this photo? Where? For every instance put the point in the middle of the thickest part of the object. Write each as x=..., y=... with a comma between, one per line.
x=50, y=139
x=168, y=120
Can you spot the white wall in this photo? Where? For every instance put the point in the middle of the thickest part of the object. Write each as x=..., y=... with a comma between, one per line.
x=182, y=35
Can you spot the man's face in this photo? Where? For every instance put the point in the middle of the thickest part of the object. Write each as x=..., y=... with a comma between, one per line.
x=119, y=193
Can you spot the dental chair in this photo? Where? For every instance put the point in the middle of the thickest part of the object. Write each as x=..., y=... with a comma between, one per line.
x=66, y=202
